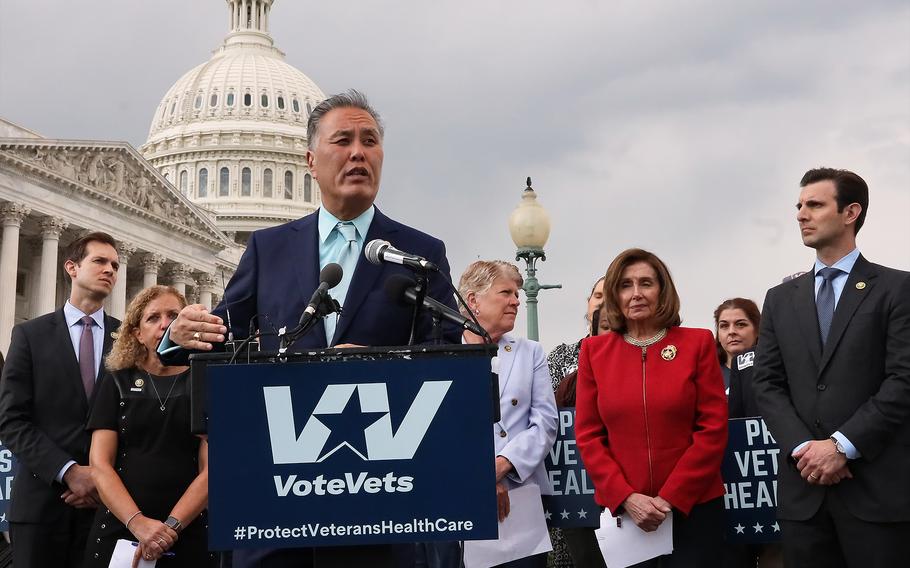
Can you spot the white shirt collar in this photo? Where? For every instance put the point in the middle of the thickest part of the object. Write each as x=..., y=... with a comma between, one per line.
x=74, y=314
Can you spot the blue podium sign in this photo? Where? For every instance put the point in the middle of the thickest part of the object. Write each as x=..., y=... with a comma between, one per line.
x=8, y=468
x=572, y=503
x=347, y=452
x=750, y=480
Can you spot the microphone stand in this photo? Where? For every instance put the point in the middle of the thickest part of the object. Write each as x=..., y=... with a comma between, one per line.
x=420, y=290
x=327, y=305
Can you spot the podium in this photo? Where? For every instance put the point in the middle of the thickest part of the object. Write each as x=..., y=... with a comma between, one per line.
x=343, y=447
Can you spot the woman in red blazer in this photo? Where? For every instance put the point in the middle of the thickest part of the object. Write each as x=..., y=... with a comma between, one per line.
x=651, y=413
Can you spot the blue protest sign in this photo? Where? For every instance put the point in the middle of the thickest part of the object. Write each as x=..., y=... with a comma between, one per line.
x=330, y=453
x=8, y=468
x=572, y=503
x=750, y=480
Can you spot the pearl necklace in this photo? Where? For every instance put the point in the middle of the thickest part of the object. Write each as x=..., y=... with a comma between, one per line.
x=163, y=403
x=645, y=342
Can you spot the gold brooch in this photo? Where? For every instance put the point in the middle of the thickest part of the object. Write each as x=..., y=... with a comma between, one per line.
x=139, y=383
x=668, y=352
x=508, y=347
x=860, y=285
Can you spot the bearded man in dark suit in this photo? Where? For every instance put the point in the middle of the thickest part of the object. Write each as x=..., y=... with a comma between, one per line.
x=45, y=393
x=832, y=380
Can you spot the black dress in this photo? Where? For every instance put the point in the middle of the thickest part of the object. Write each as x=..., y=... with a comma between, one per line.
x=157, y=459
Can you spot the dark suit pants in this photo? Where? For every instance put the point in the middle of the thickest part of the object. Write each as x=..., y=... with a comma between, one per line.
x=583, y=547
x=441, y=554
x=833, y=538
x=370, y=556
x=536, y=561
x=60, y=543
x=698, y=539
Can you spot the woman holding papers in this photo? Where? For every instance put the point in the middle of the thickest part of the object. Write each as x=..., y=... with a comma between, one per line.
x=575, y=546
x=651, y=415
x=150, y=471
x=527, y=427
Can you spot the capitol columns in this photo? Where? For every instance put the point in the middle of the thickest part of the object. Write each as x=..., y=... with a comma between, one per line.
x=151, y=264
x=51, y=227
x=207, y=286
x=180, y=275
x=118, y=296
x=12, y=215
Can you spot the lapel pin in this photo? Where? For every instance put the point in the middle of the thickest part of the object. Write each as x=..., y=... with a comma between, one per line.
x=139, y=383
x=508, y=347
x=668, y=353
x=860, y=285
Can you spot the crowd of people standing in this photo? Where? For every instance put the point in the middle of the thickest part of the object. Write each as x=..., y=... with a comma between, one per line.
x=96, y=410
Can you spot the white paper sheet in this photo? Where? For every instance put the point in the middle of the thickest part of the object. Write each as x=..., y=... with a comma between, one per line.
x=523, y=533
x=123, y=556
x=627, y=544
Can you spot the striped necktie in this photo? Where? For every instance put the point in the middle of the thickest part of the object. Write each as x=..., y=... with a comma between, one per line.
x=824, y=302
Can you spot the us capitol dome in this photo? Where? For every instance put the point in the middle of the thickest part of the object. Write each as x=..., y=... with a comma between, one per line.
x=230, y=134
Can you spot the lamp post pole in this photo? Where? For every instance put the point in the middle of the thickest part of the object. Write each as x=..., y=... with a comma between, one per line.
x=529, y=226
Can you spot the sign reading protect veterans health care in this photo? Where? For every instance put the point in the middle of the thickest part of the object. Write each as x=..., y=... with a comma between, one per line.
x=350, y=452
x=750, y=479
x=572, y=502
x=7, y=473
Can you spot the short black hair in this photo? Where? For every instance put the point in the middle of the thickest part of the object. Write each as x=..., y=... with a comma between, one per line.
x=848, y=188
x=76, y=251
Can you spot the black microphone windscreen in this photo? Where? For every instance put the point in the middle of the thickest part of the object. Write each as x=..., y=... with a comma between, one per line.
x=331, y=274
x=395, y=287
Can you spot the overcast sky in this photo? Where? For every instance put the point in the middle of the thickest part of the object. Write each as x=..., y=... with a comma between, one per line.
x=683, y=128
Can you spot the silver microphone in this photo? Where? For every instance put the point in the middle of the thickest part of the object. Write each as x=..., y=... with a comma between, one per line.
x=378, y=251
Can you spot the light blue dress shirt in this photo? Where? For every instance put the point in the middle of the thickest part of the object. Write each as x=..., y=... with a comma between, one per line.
x=331, y=245
x=838, y=282
x=73, y=317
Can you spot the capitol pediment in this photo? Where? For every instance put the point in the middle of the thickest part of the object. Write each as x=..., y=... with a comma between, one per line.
x=114, y=174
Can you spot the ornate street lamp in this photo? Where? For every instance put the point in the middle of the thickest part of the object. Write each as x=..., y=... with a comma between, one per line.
x=529, y=225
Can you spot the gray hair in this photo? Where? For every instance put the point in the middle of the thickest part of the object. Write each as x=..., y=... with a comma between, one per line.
x=479, y=276
x=348, y=99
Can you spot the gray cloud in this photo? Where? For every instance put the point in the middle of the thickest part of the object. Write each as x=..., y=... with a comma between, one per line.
x=683, y=128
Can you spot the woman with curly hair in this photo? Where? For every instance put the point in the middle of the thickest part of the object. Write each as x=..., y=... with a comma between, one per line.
x=150, y=471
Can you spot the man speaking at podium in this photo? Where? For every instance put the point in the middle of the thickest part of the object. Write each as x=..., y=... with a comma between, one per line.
x=280, y=269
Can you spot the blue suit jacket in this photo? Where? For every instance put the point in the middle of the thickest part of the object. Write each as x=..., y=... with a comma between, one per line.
x=279, y=272
x=276, y=277
x=528, y=411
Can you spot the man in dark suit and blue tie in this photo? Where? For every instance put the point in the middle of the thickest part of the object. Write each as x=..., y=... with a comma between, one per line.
x=832, y=380
x=45, y=393
x=279, y=272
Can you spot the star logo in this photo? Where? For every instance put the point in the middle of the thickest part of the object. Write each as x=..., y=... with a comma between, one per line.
x=347, y=428
x=776, y=527
x=3, y=518
x=548, y=515
x=739, y=529
x=582, y=514
x=564, y=514
x=758, y=528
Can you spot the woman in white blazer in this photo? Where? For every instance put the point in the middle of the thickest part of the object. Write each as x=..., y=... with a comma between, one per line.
x=527, y=427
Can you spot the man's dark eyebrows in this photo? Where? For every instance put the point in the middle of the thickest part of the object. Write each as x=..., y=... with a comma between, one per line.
x=341, y=132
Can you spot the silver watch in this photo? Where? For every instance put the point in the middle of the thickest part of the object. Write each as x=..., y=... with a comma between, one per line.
x=839, y=447
x=174, y=524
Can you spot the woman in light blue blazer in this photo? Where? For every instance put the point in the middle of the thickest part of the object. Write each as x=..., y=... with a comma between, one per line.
x=527, y=427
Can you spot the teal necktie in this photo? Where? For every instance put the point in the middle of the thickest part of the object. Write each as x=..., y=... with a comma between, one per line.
x=348, y=252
